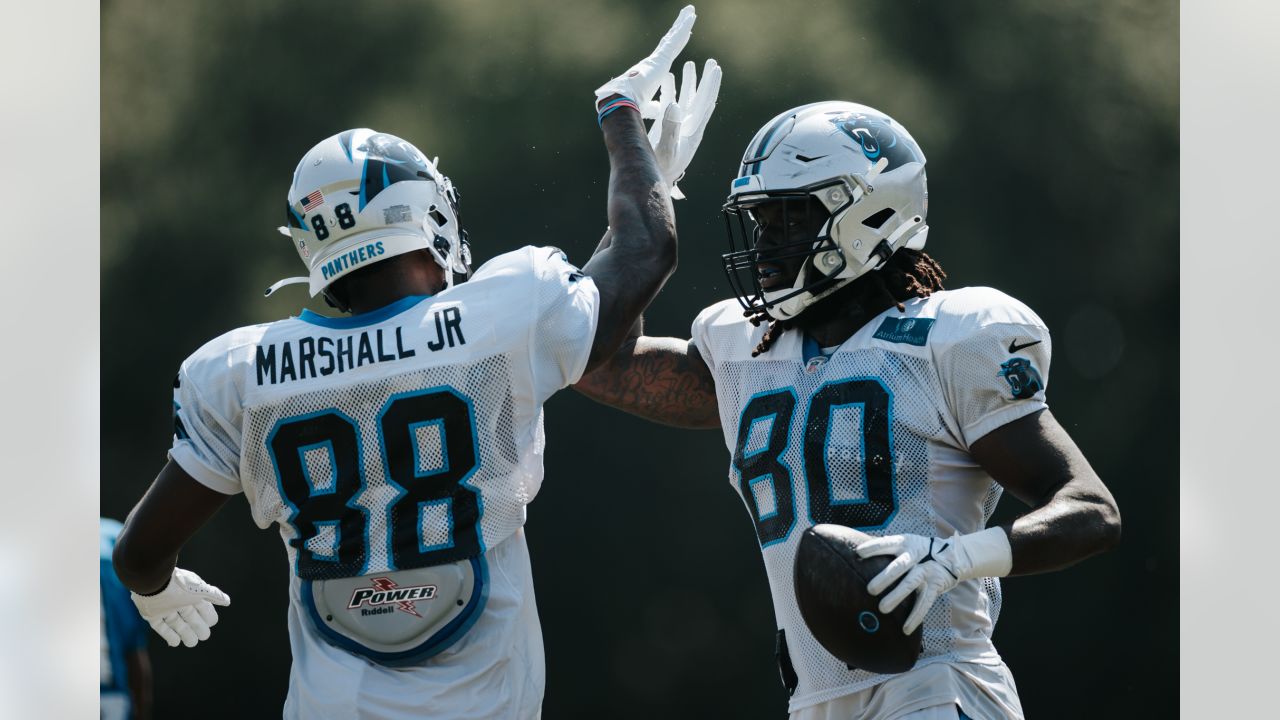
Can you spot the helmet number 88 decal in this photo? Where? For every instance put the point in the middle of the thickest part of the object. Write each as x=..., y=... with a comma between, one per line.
x=437, y=494
x=873, y=510
x=346, y=221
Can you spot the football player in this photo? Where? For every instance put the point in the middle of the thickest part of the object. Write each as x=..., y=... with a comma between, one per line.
x=397, y=447
x=853, y=389
x=124, y=666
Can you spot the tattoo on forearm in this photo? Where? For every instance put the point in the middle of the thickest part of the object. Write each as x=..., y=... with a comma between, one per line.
x=658, y=385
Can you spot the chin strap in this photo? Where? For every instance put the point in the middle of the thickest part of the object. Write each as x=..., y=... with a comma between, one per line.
x=888, y=246
x=281, y=283
x=864, y=183
x=287, y=281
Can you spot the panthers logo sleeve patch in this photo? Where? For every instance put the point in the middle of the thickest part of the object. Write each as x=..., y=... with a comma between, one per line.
x=1023, y=378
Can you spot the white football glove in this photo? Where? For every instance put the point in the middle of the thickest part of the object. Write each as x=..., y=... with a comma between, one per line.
x=934, y=566
x=676, y=137
x=641, y=82
x=183, y=611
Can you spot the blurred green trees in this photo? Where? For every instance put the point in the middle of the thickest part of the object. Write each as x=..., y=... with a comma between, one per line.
x=1051, y=134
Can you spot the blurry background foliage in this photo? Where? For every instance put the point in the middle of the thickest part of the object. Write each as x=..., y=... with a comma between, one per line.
x=1051, y=134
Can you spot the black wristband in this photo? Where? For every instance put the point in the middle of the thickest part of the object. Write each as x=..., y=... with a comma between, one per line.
x=157, y=592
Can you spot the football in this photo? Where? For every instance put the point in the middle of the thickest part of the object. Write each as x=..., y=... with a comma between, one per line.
x=831, y=590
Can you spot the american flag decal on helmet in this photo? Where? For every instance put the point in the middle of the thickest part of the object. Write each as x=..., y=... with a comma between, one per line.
x=312, y=201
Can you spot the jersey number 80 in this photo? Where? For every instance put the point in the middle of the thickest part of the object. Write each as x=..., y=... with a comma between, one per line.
x=767, y=462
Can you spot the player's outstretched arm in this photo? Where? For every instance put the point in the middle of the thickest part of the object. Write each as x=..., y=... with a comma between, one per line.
x=177, y=603
x=642, y=251
x=660, y=379
x=640, y=255
x=1073, y=515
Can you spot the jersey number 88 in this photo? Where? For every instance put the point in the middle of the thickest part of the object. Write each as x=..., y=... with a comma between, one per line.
x=334, y=505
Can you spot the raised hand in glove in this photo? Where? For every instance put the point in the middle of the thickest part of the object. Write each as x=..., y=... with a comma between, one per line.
x=183, y=610
x=676, y=137
x=641, y=82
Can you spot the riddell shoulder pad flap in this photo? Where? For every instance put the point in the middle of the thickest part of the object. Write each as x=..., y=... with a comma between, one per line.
x=401, y=617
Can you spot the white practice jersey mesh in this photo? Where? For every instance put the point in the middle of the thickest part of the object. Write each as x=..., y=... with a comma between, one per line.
x=876, y=437
x=363, y=413
x=406, y=437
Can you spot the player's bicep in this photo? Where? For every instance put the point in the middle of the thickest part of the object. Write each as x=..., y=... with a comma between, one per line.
x=1033, y=458
x=1072, y=515
x=660, y=379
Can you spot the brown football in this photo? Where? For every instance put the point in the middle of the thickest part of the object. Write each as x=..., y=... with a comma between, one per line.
x=831, y=590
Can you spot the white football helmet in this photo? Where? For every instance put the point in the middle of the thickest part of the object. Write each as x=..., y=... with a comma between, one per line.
x=362, y=196
x=864, y=169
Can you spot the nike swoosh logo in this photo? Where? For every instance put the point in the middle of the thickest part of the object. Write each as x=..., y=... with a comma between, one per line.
x=1015, y=347
x=806, y=158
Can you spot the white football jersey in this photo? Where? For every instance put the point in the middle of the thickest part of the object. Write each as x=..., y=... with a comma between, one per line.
x=407, y=437
x=876, y=437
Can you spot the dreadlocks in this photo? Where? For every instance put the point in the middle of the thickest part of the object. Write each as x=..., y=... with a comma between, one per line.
x=908, y=274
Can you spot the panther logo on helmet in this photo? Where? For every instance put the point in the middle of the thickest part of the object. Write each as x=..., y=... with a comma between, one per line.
x=389, y=160
x=392, y=149
x=875, y=137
